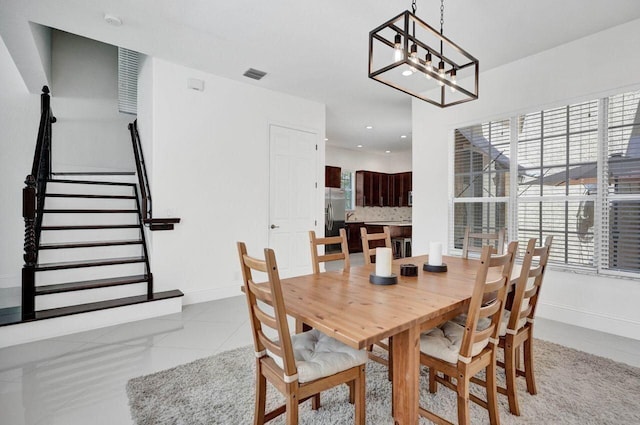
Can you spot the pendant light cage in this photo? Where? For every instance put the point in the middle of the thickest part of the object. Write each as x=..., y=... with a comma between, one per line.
x=409, y=55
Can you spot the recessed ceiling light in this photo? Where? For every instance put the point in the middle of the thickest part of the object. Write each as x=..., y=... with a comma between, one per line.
x=404, y=136
x=112, y=20
x=326, y=140
x=369, y=127
x=407, y=72
x=359, y=146
x=387, y=151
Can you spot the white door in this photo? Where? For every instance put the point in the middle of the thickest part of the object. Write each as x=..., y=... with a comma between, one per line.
x=293, y=197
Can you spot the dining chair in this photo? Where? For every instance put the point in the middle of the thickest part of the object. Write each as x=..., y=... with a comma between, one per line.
x=300, y=366
x=370, y=237
x=516, y=331
x=456, y=352
x=317, y=258
x=368, y=252
x=495, y=239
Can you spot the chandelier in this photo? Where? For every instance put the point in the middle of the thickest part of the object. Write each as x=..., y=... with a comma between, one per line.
x=409, y=55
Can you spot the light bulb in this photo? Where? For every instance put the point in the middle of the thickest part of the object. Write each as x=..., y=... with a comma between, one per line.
x=428, y=65
x=441, y=72
x=453, y=80
x=413, y=57
x=398, y=54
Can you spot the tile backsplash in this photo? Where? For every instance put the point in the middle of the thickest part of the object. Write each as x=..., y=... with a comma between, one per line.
x=380, y=214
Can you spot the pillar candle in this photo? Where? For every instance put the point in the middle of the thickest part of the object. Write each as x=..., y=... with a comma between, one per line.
x=383, y=261
x=435, y=254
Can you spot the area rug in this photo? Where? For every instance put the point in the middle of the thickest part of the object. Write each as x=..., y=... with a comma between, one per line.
x=573, y=388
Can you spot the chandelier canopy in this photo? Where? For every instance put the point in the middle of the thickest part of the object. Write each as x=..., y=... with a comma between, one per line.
x=411, y=56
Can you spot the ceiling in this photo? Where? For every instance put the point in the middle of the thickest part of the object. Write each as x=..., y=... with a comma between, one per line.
x=315, y=50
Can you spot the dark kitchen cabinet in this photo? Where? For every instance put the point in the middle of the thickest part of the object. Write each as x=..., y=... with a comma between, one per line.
x=382, y=190
x=332, y=176
x=353, y=236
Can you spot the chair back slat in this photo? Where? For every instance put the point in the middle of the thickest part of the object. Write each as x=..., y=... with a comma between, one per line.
x=495, y=239
x=494, y=289
x=269, y=293
x=317, y=242
x=370, y=237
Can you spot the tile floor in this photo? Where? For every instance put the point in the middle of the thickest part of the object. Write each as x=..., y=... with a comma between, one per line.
x=81, y=378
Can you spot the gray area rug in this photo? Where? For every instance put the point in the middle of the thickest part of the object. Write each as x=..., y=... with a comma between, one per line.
x=573, y=388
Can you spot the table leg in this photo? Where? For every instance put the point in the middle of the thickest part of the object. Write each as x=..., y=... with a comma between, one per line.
x=406, y=367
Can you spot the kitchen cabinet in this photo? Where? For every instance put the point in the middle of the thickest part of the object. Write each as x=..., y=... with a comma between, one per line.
x=332, y=176
x=353, y=236
x=382, y=190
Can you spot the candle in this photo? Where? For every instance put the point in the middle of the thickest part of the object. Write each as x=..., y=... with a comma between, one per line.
x=435, y=254
x=383, y=261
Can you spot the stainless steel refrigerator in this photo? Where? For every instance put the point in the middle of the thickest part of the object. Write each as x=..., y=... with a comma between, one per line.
x=334, y=215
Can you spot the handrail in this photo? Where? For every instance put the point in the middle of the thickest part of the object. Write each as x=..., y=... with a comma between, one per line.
x=141, y=169
x=33, y=196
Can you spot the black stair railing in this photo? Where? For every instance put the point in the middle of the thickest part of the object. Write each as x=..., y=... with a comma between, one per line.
x=141, y=170
x=33, y=196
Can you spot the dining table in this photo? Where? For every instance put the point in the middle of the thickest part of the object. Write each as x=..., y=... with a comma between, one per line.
x=347, y=307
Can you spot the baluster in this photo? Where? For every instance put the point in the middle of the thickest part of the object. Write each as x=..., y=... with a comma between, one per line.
x=30, y=254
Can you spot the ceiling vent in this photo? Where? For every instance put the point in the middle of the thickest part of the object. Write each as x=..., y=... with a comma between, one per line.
x=254, y=73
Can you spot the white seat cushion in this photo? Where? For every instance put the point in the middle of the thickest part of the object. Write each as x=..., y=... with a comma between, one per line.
x=318, y=355
x=444, y=342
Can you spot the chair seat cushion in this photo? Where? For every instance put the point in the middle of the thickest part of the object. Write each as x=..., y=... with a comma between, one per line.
x=318, y=355
x=444, y=342
x=484, y=322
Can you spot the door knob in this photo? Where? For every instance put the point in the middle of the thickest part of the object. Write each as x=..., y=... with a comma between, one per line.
x=273, y=226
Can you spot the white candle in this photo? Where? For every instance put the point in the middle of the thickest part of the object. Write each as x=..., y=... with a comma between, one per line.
x=383, y=261
x=435, y=254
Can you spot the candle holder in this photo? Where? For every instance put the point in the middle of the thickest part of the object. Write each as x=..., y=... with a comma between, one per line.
x=436, y=269
x=383, y=280
x=408, y=270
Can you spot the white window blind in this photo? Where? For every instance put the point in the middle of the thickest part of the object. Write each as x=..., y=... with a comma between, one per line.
x=572, y=172
x=481, y=179
x=621, y=217
x=128, y=68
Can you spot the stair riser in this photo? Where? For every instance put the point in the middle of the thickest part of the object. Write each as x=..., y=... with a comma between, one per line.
x=66, y=219
x=89, y=189
x=89, y=203
x=88, y=273
x=55, y=236
x=82, y=254
x=44, y=302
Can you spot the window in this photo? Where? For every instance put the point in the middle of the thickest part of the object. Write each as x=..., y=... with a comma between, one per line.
x=571, y=172
x=347, y=181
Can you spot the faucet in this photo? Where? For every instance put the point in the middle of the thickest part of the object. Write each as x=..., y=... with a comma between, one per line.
x=350, y=214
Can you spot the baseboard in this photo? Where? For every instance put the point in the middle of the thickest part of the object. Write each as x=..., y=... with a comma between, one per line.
x=600, y=322
x=22, y=333
x=205, y=295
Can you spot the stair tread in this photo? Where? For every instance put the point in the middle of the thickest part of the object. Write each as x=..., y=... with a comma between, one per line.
x=94, y=173
x=92, y=196
x=162, y=220
x=89, y=284
x=89, y=211
x=93, y=227
x=102, y=305
x=88, y=263
x=70, y=181
x=89, y=244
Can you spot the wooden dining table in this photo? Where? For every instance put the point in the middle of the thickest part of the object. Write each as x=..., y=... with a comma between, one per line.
x=345, y=306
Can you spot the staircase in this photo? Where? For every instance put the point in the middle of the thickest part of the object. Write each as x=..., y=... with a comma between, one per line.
x=85, y=244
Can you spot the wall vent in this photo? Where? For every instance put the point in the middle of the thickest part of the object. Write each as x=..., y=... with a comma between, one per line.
x=256, y=74
x=128, y=68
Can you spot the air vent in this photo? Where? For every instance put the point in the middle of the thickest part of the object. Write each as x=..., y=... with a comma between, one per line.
x=254, y=73
x=128, y=68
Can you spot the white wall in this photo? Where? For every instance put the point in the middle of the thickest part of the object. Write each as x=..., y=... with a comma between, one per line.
x=601, y=64
x=211, y=169
x=90, y=133
x=19, y=117
x=349, y=159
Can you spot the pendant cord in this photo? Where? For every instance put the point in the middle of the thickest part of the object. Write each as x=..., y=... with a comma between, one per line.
x=441, y=22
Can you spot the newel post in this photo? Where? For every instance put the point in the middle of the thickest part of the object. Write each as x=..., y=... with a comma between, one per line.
x=30, y=255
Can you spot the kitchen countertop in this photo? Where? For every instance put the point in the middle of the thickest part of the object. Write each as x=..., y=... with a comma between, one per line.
x=388, y=223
